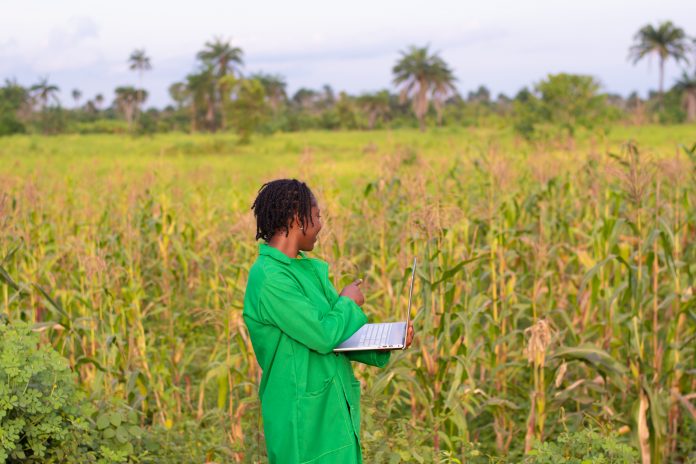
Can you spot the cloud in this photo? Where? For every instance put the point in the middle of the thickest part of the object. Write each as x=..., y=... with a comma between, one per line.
x=69, y=47
x=77, y=30
x=372, y=47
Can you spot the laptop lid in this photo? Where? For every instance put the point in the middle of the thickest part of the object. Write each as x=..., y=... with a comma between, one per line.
x=410, y=300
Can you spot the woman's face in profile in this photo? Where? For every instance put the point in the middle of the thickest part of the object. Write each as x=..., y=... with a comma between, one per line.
x=309, y=238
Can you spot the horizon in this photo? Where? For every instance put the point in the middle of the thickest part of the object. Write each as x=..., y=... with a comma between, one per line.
x=81, y=45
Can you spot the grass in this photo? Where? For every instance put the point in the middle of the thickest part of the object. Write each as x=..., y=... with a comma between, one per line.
x=556, y=288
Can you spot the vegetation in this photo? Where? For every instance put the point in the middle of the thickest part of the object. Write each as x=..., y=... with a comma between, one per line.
x=556, y=289
x=561, y=104
x=423, y=76
x=555, y=316
x=217, y=96
x=666, y=41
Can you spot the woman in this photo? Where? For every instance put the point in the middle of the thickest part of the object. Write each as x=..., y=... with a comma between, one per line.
x=310, y=399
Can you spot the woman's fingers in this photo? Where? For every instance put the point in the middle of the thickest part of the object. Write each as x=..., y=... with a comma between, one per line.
x=353, y=292
x=409, y=336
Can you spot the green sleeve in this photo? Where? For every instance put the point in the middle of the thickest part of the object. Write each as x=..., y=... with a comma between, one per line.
x=282, y=303
x=370, y=357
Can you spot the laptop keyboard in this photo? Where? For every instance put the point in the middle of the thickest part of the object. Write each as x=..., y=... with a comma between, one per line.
x=376, y=334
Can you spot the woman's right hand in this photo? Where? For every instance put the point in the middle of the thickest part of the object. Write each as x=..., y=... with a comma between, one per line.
x=353, y=292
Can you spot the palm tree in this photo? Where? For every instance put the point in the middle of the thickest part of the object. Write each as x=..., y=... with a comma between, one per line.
x=666, y=41
x=224, y=59
x=43, y=92
x=222, y=56
x=98, y=101
x=687, y=84
x=76, y=94
x=140, y=62
x=127, y=101
x=421, y=76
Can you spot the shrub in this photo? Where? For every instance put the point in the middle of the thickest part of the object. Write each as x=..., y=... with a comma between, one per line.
x=39, y=404
x=584, y=446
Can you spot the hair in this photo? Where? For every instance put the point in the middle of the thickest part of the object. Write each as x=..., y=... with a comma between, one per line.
x=278, y=202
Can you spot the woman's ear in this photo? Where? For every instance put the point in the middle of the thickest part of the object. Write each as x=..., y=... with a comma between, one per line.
x=295, y=223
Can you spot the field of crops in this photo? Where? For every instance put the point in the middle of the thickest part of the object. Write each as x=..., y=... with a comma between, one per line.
x=555, y=290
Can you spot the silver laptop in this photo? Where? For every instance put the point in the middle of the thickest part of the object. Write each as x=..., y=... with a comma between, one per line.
x=383, y=336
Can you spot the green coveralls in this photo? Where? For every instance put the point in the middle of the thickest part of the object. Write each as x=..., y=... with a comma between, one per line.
x=310, y=398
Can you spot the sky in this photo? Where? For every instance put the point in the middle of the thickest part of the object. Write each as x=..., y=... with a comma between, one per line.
x=351, y=45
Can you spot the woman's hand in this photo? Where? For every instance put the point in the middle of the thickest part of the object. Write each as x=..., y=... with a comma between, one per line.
x=353, y=292
x=409, y=335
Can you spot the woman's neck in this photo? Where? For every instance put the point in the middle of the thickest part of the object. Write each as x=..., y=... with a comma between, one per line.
x=285, y=244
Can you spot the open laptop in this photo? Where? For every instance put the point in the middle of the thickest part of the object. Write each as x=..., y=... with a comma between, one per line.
x=382, y=336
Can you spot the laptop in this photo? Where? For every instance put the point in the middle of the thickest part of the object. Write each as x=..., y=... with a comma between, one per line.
x=382, y=336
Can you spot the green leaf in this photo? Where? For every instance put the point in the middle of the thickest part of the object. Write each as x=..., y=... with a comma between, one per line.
x=5, y=277
x=103, y=421
x=122, y=435
x=135, y=431
x=115, y=419
x=598, y=358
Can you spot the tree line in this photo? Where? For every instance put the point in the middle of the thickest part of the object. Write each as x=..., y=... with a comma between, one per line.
x=219, y=96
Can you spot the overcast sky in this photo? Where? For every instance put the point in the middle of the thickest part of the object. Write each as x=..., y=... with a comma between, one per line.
x=351, y=45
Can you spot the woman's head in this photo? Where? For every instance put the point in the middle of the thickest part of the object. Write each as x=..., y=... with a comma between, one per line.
x=287, y=206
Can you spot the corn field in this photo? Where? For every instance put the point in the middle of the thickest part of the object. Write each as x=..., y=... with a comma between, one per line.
x=555, y=287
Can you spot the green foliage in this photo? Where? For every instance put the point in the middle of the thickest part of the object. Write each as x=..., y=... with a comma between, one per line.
x=101, y=126
x=249, y=110
x=39, y=401
x=670, y=110
x=46, y=418
x=586, y=446
x=12, y=98
x=52, y=120
x=564, y=102
x=143, y=245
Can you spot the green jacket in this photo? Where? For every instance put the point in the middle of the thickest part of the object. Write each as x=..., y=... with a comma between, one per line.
x=310, y=398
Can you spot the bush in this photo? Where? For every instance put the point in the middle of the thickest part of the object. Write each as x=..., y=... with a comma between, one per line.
x=585, y=446
x=43, y=415
x=39, y=403
x=102, y=126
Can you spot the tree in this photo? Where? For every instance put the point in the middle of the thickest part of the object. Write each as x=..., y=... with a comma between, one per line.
x=13, y=98
x=442, y=86
x=223, y=59
x=481, y=95
x=127, y=100
x=687, y=85
x=76, y=94
x=179, y=94
x=274, y=86
x=249, y=109
x=564, y=101
x=201, y=87
x=44, y=92
x=422, y=76
x=98, y=101
x=666, y=41
x=345, y=111
x=376, y=105
x=140, y=62
x=306, y=99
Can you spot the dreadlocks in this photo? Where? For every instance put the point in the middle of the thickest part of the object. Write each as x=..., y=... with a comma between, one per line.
x=277, y=203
